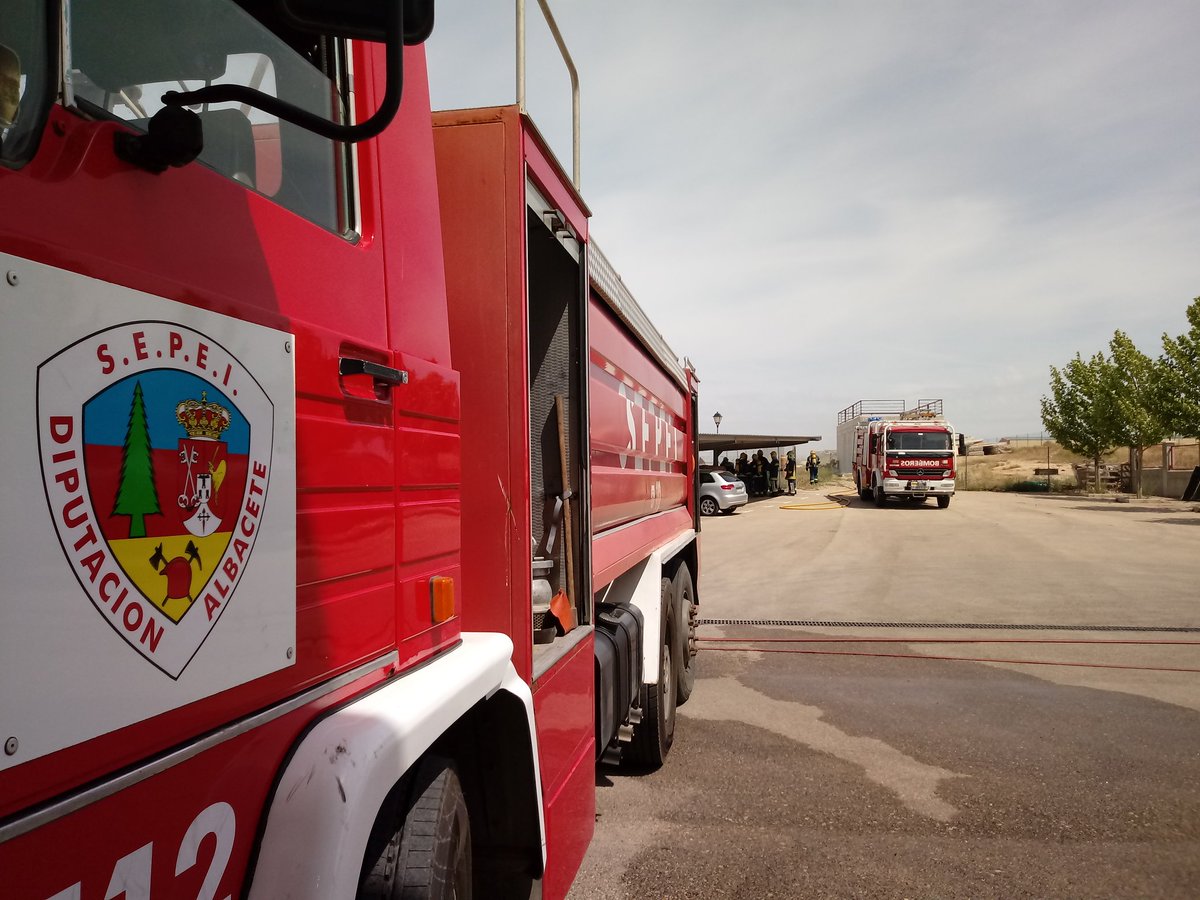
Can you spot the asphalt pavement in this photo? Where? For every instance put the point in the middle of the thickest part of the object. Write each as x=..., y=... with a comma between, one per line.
x=999, y=699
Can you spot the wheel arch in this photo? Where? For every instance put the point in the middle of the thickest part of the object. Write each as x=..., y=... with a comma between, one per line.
x=640, y=586
x=330, y=793
x=689, y=555
x=502, y=786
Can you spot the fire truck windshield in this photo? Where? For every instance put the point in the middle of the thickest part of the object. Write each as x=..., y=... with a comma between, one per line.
x=25, y=79
x=125, y=55
x=918, y=440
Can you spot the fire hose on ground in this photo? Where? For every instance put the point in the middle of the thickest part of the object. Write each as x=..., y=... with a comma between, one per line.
x=719, y=643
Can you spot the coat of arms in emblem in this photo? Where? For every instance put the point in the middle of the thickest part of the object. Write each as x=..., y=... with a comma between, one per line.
x=156, y=470
x=162, y=459
x=202, y=456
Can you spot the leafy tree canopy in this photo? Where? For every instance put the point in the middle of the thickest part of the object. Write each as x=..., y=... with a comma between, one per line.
x=1138, y=390
x=1082, y=414
x=1181, y=377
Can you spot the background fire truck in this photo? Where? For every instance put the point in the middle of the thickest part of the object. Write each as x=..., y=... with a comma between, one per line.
x=349, y=496
x=898, y=452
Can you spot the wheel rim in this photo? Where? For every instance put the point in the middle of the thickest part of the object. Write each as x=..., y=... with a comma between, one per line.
x=707, y=506
x=461, y=885
x=666, y=683
x=692, y=646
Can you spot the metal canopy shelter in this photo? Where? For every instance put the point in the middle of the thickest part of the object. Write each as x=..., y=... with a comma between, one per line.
x=720, y=443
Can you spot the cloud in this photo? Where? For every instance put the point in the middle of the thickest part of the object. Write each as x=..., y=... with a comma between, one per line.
x=820, y=202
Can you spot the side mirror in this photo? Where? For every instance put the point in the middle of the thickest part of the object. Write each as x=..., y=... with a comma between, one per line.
x=364, y=20
x=383, y=21
x=10, y=86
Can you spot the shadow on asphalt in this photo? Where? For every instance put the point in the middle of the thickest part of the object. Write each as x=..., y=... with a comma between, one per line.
x=1127, y=502
x=1132, y=508
x=856, y=501
x=605, y=773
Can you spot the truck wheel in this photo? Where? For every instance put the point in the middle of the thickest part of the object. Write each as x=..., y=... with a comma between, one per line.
x=943, y=501
x=880, y=497
x=426, y=844
x=653, y=736
x=687, y=615
x=708, y=506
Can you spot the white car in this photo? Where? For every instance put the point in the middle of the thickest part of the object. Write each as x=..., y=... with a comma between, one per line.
x=720, y=491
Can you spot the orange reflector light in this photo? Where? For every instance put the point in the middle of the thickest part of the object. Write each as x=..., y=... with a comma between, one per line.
x=441, y=597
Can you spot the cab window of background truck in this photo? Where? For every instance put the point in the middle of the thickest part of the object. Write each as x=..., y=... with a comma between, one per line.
x=25, y=80
x=125, y=55
x=918, y=440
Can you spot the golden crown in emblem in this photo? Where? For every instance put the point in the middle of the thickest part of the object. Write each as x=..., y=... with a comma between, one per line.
x=201, y=419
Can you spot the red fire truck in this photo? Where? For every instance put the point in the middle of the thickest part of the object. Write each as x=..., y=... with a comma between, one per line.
x=349, y=510
x=909, y=456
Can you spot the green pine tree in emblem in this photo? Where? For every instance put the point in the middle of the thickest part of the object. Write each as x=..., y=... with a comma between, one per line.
x=137, y=496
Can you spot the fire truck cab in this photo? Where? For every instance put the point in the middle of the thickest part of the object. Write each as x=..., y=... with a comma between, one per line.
x=898, y=452
x=349, y=511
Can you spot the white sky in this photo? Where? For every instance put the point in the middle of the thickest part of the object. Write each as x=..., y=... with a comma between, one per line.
x=821, y=202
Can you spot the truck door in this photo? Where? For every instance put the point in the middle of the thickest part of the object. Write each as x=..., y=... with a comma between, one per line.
x=268, y=234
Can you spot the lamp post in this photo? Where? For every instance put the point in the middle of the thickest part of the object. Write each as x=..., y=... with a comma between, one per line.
x=717, y=421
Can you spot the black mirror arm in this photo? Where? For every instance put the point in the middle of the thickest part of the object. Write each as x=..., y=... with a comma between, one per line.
x=382, y=117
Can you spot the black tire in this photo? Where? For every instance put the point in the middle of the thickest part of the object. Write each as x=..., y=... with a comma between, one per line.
x=653, y=736
x=686, y=615
x=943, y=501
x=427, y=854
x=880, y=497
x=708, y=506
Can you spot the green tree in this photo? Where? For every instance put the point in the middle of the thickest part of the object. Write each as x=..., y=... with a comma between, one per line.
x=1138, y=389
x=1181, y=377
x=137, y=496
x=1081, y=413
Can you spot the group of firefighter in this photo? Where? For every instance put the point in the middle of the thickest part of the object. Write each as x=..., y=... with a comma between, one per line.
x=761, y=475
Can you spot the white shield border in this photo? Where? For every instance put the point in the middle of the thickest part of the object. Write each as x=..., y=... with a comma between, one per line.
x=180, y=643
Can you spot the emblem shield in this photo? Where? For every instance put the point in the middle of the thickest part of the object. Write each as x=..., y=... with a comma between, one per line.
x=162, y=469
x=143, y=436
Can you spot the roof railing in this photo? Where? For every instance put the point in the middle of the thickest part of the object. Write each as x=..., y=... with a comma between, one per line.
x=871, y=408
x=925, y=409
x=562, y=48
